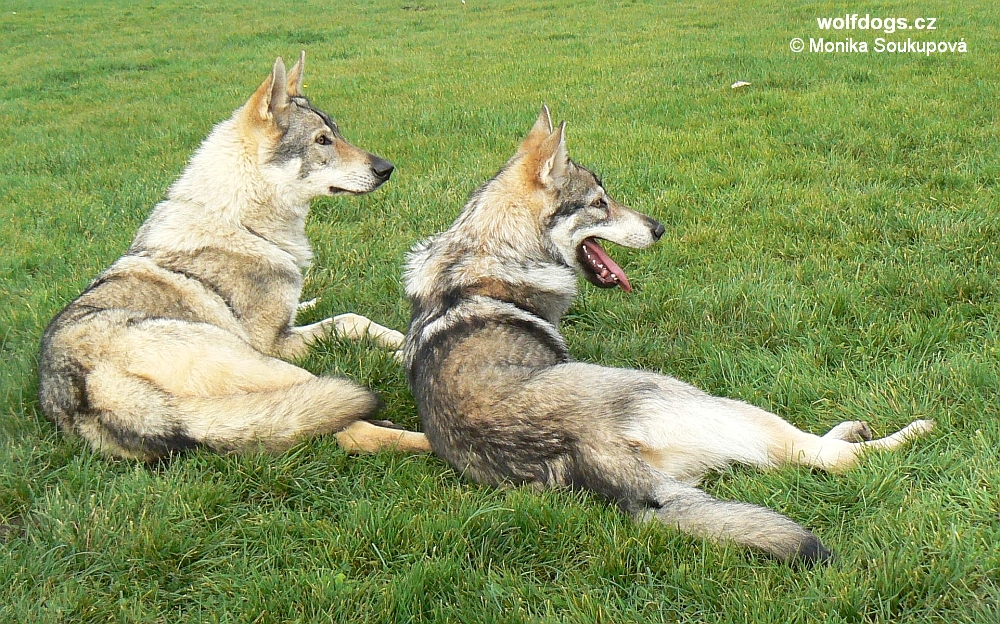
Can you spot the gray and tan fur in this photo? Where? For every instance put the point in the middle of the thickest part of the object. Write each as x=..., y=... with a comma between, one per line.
x=502, y=400
x=177, y=344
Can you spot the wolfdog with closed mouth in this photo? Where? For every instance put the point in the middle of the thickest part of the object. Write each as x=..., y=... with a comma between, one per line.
x=502, y=401
x=177, y=344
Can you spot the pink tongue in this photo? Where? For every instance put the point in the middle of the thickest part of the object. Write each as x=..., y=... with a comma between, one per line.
x=598, y=254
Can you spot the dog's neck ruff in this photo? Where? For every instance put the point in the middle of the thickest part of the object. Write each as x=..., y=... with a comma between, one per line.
x=440, y=273
x=228, y=186
x=546, y=305
x=449, y=285
x=471, y=315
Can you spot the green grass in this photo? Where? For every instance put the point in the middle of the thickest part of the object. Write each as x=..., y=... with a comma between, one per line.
x=832, y=252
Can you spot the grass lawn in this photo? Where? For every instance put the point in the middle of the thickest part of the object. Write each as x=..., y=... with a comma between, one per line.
x=832, y=252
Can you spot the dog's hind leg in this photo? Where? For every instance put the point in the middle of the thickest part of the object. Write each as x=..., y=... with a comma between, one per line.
x=839, y=449
x=837, y=454
x=123, y=415
x=850, y=431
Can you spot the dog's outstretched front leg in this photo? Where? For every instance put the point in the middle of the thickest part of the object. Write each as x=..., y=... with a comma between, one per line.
x=353, y=326
x=295, y=341
x=356, y=327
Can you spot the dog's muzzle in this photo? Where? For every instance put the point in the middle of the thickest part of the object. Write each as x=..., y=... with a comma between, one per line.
x=598, y=267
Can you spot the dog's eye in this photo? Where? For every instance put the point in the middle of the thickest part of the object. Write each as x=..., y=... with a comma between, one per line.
x=600, y=202
x=323, y=140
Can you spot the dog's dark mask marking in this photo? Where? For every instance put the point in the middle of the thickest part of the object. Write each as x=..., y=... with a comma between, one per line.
x=298, y=139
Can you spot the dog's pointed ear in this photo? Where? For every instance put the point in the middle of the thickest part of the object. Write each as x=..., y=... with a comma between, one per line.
x=552, y=157
x=279, y=101
x=539, y=131
x=270, y=103
x=543, y=124
x=295, y=76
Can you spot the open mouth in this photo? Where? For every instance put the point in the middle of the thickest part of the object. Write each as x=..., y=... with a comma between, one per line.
x=599, y=269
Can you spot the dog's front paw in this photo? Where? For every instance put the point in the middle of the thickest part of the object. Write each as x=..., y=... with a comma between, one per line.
x=917, y=428
x=306, y=305
x=355, y=326
x=391, y=339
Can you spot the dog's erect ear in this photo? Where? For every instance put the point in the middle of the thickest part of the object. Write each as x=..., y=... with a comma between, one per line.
x=295, y=76
x=278, y=106
x=543, y=125
x=552, y=157
x=270, y=103
x=539, y=131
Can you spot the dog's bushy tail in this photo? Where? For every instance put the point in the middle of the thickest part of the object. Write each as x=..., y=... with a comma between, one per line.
x=696, y=513
x=61, y=391
x=648, y=494
x=127, y=416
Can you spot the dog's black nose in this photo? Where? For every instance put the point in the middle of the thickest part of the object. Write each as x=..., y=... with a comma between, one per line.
x=658, y=230
x=382, y=168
